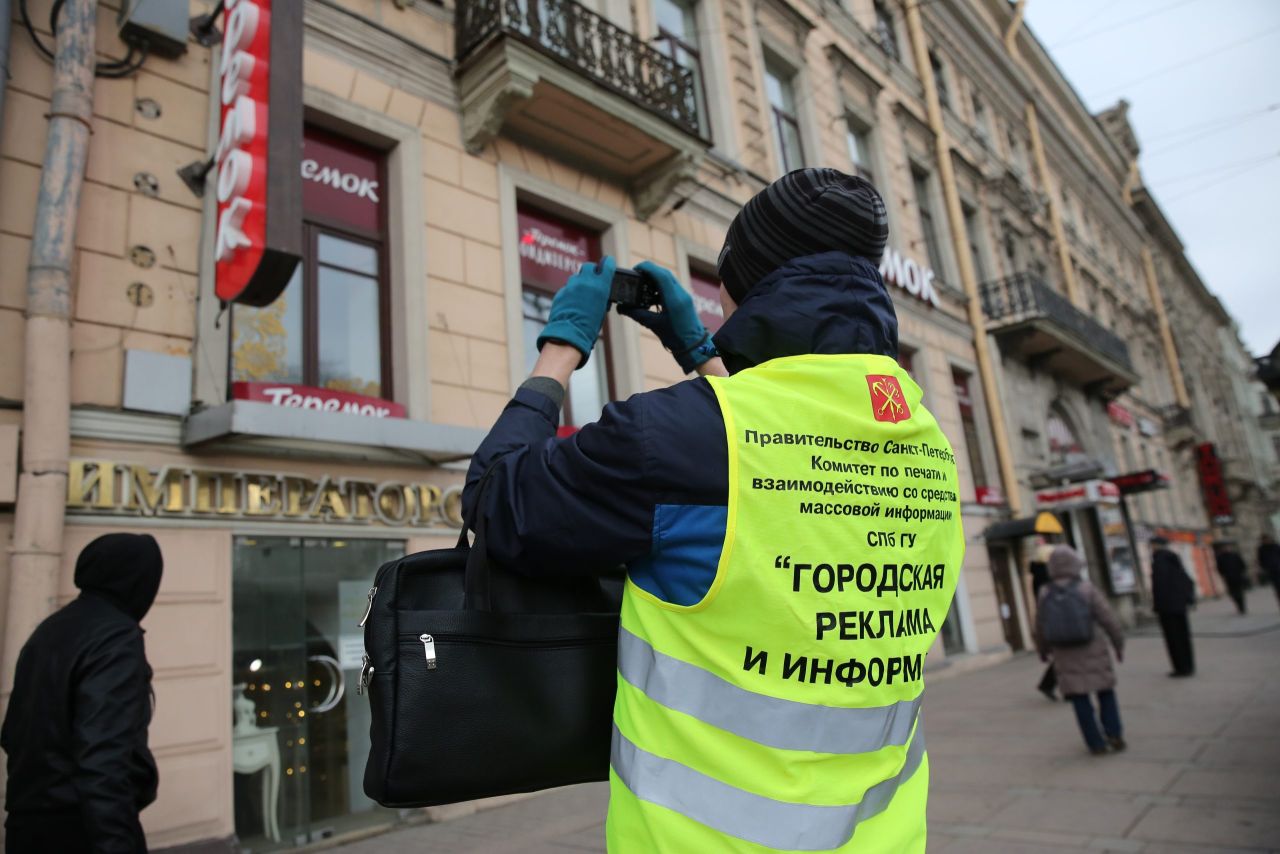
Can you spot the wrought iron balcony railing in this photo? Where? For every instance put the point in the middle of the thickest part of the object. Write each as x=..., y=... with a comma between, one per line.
x=588, y=43
x=1025, y=297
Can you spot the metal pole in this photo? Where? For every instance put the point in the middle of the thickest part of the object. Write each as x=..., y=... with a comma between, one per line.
x=46, y=398
x=960, y=241
x=6, y=21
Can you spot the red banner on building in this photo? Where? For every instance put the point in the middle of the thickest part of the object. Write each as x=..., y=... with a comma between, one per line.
x=1214, y=486
x=294, y=396
x=259, y=232
x=552, y=250
x=341, y=181
x=1119, y=416
x=706, y=299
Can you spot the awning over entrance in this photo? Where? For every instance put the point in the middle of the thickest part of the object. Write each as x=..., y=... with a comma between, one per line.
x=1016, y=529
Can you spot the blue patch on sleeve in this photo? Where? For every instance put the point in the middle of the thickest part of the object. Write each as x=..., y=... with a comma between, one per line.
x=687, y=539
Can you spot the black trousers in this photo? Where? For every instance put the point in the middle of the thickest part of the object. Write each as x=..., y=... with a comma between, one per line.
x=1236, y=590
x=1177, y=639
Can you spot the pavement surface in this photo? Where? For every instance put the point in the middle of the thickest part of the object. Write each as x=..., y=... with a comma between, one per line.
x=1011, y=773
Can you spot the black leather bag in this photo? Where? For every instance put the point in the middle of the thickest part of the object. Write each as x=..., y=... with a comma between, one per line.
x=484, y=682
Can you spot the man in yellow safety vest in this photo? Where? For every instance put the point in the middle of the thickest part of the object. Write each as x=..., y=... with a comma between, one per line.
x=790, y=526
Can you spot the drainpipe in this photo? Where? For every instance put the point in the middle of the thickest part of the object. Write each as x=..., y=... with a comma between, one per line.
x=968, y=279
x=1011, y=34
x=1166, y=333
x=6, y=20
x=46, y=433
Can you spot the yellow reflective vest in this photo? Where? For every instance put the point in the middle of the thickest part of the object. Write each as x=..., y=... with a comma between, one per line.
x=782, y=712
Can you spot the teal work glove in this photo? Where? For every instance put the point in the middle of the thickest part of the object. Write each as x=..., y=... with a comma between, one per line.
x=677, y=325
x=578, y=310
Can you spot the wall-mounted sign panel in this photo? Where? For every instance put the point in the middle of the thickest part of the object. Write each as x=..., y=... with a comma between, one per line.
x=706, y=300
x=1078, y=495
x=551, y=249
x=293, y=396
x=1214, y=486
x=113, y=488
x=342, y=181
x=914, y=278
x=259, y=230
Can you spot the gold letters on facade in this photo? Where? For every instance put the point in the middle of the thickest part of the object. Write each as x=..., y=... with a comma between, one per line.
x=129, y=489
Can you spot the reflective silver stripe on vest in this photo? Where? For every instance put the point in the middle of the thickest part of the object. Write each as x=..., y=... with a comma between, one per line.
x=770, y=721
x=746, y=815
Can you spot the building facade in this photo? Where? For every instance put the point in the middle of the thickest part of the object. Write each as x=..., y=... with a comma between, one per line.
x=456, y=163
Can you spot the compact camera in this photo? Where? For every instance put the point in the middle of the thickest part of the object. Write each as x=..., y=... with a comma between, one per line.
x=630, y=289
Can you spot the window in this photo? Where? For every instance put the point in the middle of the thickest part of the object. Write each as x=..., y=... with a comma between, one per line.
x=678, y=35
x=927, y=229
x=778, y=84
x=907, y=361
x=859, y=144
x=940, y=80
x=981, y=121
x=328, y=329
x=1015, y=151
x=551, y=250
x=706, y=299
x=884, y=32
x=961, y=380
x=971, y=228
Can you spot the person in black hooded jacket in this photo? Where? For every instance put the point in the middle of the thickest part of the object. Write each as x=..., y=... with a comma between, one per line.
x=76, y=728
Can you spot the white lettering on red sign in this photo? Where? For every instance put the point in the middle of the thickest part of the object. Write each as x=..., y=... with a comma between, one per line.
x=286, y=396
x=706, y=305
x=242, y=147
x=346, y=182
x=549, y=251
x=913, y=278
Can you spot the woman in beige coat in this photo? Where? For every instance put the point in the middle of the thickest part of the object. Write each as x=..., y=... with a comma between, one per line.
x=1086, y=668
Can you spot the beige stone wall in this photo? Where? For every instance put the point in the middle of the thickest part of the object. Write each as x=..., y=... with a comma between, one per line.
x=114, y=215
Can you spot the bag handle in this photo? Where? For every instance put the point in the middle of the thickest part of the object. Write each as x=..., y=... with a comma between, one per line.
x=476, y=580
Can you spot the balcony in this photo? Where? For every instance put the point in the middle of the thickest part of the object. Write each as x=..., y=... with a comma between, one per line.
x=1179, y=426
x=559, y=77
x=1034, y=322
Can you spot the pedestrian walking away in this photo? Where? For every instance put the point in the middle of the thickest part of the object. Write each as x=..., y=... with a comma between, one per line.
x=1232, y=569
x=1172, y=594
x=742, y=721
x=1070, y=609
x=76, y=729
x=1269, y=562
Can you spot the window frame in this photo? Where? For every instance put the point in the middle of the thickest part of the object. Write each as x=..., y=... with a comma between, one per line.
x=773, y=64
x=886, y=36
x=674, y=44
x=611, y=392
x=922, y=188
x=313, y=226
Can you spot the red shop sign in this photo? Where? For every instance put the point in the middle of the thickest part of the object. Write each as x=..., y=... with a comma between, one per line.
x=989, y=496
x=293, y=396
x=1119, y=416
x=341, y=180
x=706, y=299
x=259, y=233
x=552, y=250
x=1216, y=500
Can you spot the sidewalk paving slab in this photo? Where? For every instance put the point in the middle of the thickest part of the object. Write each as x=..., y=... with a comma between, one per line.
x=1010, y=774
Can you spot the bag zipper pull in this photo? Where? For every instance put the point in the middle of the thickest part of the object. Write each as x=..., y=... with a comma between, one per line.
x=366, y=671
x=429, y=648
x=373, y=591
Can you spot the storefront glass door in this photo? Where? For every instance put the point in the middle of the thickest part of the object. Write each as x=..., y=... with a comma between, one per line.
x=301, y=734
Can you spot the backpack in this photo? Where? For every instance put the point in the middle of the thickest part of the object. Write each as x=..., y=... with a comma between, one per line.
x=1066, y=618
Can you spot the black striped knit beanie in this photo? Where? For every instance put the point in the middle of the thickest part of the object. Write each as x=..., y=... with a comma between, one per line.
x=804, y=212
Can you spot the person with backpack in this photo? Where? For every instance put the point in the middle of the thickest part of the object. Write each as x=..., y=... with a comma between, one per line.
x=1070, y=608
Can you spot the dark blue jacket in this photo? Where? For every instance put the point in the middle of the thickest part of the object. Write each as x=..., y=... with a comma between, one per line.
x=647, y=485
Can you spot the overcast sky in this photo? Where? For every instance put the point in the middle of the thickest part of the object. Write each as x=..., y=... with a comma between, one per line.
x=1203, y=81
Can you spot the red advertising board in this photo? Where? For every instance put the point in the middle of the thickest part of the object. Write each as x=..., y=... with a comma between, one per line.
x=294, y=396
x=1214, y=486
x=342, y=181
x=1119, y=416
x=706, y=299
x=989, y=496
x=259, y=231
x=552, y=250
